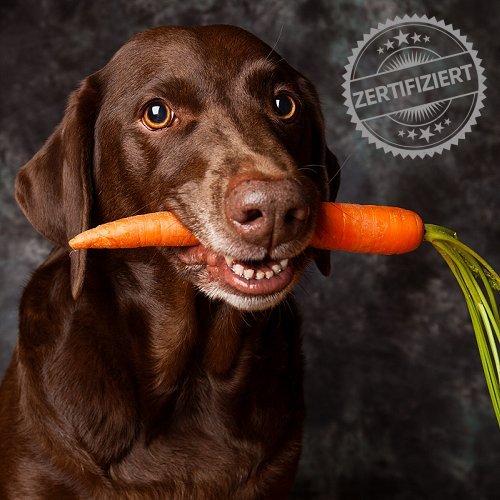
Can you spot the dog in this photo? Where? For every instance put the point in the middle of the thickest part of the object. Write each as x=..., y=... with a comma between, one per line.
x=169, y=372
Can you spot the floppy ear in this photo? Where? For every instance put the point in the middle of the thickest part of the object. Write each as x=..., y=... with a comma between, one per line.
x=322, y=257
x=321, y=155
x=54, y=187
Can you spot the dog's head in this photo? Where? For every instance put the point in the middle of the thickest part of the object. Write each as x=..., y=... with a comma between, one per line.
x=207, y=122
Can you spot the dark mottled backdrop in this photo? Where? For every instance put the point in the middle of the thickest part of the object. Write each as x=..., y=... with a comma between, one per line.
x=397, y=405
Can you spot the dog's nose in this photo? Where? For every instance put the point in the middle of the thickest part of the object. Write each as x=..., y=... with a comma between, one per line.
x=267, y=213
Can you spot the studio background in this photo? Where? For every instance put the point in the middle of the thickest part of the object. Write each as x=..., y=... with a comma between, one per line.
x=396, y=398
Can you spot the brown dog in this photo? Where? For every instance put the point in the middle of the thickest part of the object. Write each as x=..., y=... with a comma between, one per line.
x=168, y=372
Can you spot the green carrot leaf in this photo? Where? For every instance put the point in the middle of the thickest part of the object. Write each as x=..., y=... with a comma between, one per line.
x=477, y=280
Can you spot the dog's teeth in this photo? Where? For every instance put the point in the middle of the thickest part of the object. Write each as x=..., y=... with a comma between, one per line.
x=248, y=273
x=259, y=275
x=284, y=263
x=229, y=260
x=277, y=269
x=238, y=269
x=269, y=274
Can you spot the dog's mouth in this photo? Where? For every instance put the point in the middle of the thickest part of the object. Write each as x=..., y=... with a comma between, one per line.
x=252, y=277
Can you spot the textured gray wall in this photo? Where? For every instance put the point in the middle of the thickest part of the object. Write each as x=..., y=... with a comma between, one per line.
x=397, y=405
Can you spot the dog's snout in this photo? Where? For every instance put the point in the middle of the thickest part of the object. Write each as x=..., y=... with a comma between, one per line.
x=267, y=212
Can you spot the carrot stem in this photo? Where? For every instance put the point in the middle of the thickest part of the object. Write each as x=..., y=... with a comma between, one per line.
x=434, y=233
x=467, y=266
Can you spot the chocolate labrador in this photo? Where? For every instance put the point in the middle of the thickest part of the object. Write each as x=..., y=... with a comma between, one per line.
x=169, y=372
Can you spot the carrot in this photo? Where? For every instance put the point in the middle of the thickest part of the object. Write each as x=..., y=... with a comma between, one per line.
x=353, y=228
x=156, y=229
x=367, y=229
x=340, y=226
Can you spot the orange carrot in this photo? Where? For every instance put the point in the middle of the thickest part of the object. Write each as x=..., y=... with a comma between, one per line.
x=148, y=230
x=367, y=229
x=340, y=226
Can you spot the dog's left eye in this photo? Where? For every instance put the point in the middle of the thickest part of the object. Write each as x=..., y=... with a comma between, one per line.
x=157, y=115
x=285, y=106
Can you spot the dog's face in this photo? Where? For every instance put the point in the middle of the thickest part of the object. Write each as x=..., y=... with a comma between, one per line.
x=211, y=124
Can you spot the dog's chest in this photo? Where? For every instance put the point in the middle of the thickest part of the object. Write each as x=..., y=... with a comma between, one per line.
x=216, y=442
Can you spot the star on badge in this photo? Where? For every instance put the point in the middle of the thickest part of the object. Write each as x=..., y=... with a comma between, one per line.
x=412, y=134
x=425, y=134
x=389, y=44
x=402, y=38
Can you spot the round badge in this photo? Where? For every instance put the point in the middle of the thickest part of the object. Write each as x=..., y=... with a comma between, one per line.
x=414, y=86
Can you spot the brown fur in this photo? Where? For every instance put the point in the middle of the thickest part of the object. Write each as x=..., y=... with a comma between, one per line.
x=127, y=381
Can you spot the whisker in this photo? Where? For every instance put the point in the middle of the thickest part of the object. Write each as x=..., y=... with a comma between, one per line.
x=276, y=42
x=309, y=165
x=344, y=163
x=142, y=208
x=307, y=168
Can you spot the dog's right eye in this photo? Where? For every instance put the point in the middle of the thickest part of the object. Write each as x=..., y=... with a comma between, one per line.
x=285, y=106
x=157, y=115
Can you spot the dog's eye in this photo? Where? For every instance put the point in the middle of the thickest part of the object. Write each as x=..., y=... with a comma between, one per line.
x=157, y=115
x=285, y=106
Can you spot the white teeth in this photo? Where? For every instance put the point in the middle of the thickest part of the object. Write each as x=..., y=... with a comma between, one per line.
x=238, y=269
x=277, y=269
x=248, y=273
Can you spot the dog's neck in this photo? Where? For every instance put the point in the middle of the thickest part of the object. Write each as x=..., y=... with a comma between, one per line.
x=183, y=325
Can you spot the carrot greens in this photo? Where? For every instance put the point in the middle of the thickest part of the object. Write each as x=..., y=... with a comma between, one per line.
x=478, y=280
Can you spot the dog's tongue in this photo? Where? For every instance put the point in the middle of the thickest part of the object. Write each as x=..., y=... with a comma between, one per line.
x=253, y=278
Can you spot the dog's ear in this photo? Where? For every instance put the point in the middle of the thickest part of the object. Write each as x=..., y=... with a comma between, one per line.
x=321, y=155
x=333, y=172
x=322, y=257
x=54, y=187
